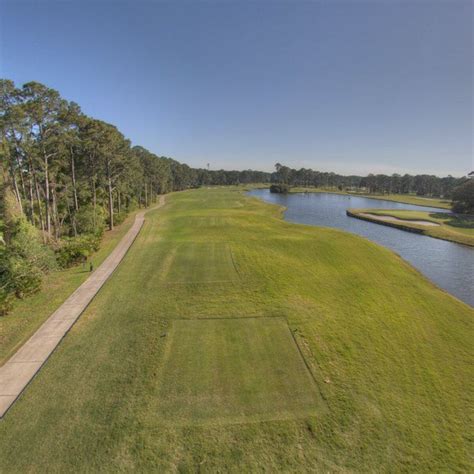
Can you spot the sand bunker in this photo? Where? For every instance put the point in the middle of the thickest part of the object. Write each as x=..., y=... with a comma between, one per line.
x=396, y=219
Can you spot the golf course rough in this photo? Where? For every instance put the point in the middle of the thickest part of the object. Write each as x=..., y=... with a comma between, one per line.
x=230, y=340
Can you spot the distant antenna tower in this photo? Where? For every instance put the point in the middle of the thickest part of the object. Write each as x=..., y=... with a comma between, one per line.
x=208, y=167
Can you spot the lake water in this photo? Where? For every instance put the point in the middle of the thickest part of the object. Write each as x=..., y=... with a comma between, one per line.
x=449, y=265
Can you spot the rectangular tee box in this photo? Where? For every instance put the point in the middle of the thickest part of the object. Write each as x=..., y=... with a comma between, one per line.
x=234, y=370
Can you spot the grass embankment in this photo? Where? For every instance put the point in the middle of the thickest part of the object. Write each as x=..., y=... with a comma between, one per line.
x=28, y=314
x=230, y=340
x=403, y=198
x=453, y=227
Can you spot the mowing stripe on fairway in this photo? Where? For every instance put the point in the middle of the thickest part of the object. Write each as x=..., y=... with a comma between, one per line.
x=234, y=370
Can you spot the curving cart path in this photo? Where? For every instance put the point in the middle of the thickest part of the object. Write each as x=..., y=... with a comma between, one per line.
x=20, y=369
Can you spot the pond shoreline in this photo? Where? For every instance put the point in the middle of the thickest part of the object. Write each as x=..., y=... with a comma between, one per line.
x=446, y=263
x=400, y=198
x=405, y=227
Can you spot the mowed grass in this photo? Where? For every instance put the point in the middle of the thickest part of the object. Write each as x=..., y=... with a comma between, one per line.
x=218, y=371
x=150, y=380
x=200, y=263
x=453, y=227
x=415, y=200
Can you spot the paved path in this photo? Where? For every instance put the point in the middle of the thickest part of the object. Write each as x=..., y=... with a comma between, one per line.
x=20, y=369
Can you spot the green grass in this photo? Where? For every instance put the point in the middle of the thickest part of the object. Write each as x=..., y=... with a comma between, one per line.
x=147, y=381
x=210, y=374
x=200, y=263
x=404, y=198
x=452, y=227
x=415, y=200
x=28, y=314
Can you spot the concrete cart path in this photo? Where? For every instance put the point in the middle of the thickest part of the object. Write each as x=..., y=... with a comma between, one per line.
x=20, y=369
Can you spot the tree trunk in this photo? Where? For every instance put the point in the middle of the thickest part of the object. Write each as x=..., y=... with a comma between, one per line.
x=71, y=215
x=55, y=212
x=16, y=190
x=32, y=201
x=111, y=200
x=18, y=164
x=73, y=178
x=46, y=195
x=111, y=205
x=40, y=211
x=94, y=203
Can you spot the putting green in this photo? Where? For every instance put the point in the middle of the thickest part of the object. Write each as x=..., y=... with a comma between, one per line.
x=234, y=370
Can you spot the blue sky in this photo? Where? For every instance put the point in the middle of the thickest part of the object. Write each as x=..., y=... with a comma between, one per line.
x=346, y=86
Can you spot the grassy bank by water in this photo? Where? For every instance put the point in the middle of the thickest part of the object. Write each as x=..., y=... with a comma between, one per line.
x=452, y=227
x=403, y=198
x=230, y=340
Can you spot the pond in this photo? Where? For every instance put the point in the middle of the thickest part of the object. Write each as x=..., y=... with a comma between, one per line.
x=449, y=265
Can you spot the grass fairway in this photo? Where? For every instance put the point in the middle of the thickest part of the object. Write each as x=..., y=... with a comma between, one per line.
x=200, y=263
x=230, y=340
x=240, y=370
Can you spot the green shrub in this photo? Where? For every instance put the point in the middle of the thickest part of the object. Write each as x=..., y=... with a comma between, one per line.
x=24, y=278
x=25, y=243
x=74, y=250
x=23, y=263
x=90, y=222
x=132, y=204
x=6, y=301
x=279, y=188
x=119, y=217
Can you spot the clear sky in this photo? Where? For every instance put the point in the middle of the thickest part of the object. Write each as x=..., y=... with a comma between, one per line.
x=347, y=86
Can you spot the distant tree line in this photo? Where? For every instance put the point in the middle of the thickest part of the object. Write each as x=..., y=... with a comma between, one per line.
x=65, y=168
x=421, y=185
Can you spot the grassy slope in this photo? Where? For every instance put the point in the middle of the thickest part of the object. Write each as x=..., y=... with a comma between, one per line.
x=28, y=314
x=390, y=353
x=454, y=228
x=404, y=198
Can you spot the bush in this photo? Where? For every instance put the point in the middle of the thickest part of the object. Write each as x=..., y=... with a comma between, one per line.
x=24, y=278
x=119, y=217
x=6, y=301
x=23, y=263
x=279, y=188
x=88, y=223
x=74, y=250
x=25, y=244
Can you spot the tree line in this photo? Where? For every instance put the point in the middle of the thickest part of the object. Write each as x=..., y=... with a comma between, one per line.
x=63, y=165
x=65, y=177
x=421, y=185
